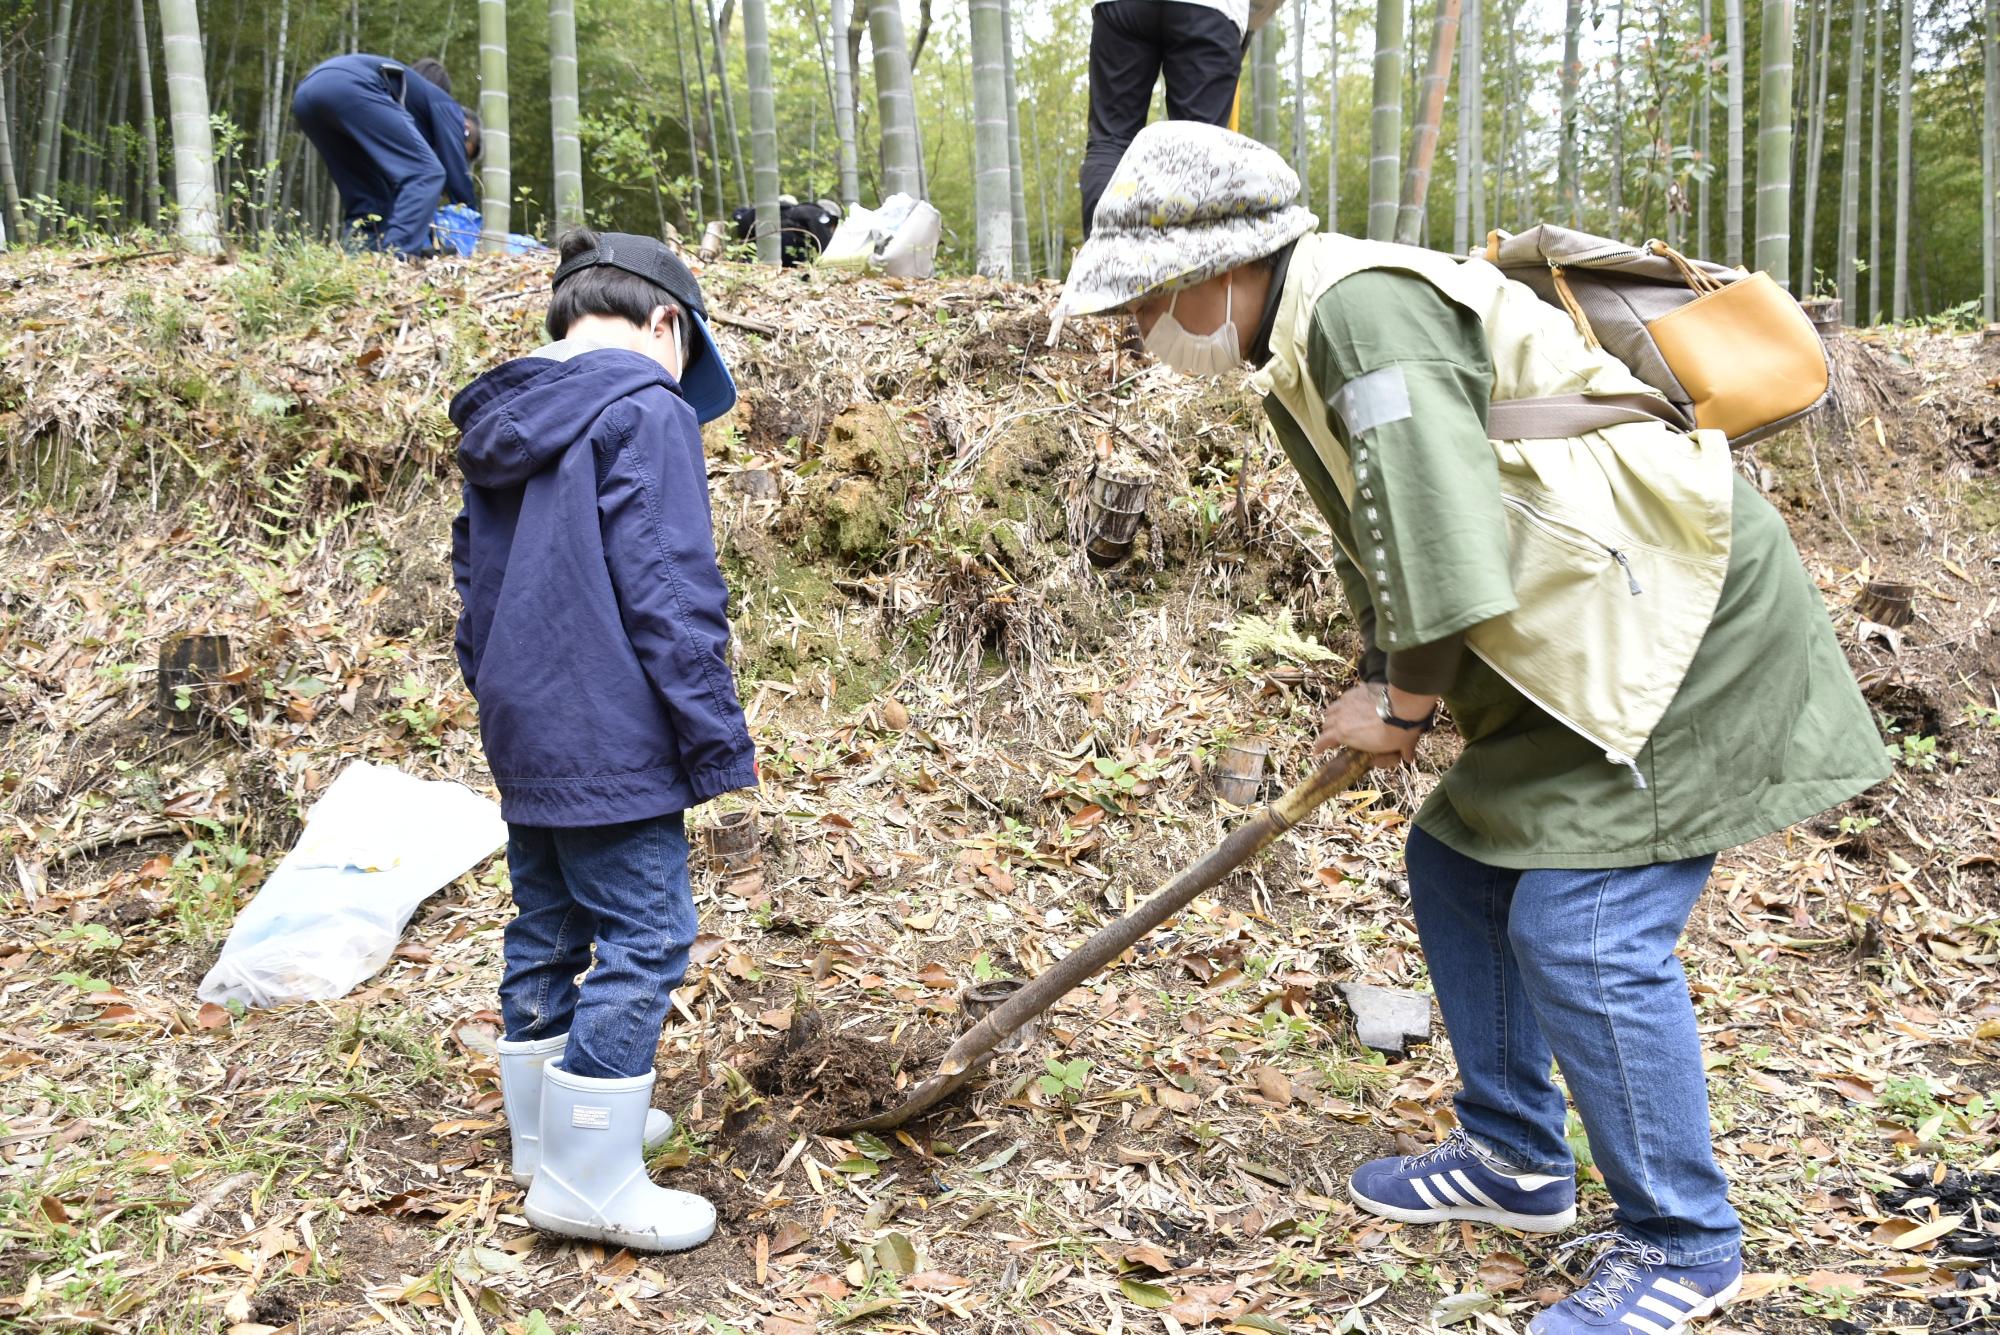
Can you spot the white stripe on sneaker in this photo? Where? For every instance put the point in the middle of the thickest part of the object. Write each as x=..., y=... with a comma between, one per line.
x=1680, y=1293
x=1417, y=1185
x=1443, y=1186
x=1465, y=1184
x=1637, y=1322
x=1667, y=1310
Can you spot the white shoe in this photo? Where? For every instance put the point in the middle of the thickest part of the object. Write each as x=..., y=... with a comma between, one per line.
x=592, y=1180
x=521, y=1096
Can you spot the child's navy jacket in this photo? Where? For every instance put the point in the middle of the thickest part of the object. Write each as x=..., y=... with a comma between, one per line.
x=593, y=631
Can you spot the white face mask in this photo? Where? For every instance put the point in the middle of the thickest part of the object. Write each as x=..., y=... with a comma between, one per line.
x=1217, y=352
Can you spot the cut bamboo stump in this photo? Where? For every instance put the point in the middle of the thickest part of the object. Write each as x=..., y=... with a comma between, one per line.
x=1886, y=603
x=1824, y=312
x=1114, y=507
x=188, y=686
x=732, y=842
x=980, y=1000
x=1239, y=771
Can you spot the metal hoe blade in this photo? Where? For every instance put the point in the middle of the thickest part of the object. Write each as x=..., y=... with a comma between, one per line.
x=1335, y=773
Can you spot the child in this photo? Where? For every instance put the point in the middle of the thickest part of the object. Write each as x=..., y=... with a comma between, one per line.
x=593, y=635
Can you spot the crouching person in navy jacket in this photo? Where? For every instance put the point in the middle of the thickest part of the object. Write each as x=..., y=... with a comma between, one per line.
x=594, y=636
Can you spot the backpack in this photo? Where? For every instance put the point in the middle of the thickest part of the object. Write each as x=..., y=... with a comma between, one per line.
x=1731, y=351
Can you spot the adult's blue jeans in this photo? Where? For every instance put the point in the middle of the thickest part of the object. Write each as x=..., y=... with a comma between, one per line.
x=1578, y=968
x=622, y=890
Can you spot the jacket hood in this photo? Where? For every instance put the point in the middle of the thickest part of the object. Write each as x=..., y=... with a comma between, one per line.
x=522, y=415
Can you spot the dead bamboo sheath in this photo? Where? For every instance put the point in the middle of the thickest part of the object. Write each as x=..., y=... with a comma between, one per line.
x=1335, y=773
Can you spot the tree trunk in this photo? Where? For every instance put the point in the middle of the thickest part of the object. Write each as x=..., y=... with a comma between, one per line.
x=1899, y=301
x=1385, y=157
x=1989, y=139
x=1051, y=243
x=10, y=192
x=687, y=118
x=1333, y=121
x=1815, y=152
x=274, y=122
x=843, y=105
x=1732, y=201
x=992, y=210
x=1300, y=120
x=1467, y=221
x=1264, y=84
x=1774, y=145
x=895, y=106
x=1850, y=167
x=1874, y=312
x=1430, y=116
x=763, y=131
x=1617, y=227
x=496, y=177
x=55, y=73
x=565, y=149
x=1024, y=255
x=1704, y=240
x=707, y=110
x=715, y=30
x=187, y=103
x=150, y=130
x=1567, y=187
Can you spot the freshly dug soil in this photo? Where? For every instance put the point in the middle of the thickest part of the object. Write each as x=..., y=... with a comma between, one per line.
x=830, y=1076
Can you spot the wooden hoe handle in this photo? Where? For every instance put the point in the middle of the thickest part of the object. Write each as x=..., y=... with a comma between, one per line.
x=1336, y=772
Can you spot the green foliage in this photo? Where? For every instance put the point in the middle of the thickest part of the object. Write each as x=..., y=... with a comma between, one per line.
x=1063, y=1081
x=1261, y=639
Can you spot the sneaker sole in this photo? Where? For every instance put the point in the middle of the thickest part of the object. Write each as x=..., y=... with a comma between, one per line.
x=588, y=1232
x=1526, y=1223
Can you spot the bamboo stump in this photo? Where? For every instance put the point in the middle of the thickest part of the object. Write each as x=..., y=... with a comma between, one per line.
x=980, y=1000
x=732, y=842
x=1239, y=771
x=1114, y=507
x=1824, y=312
x=1886, y=603
x=188, y=686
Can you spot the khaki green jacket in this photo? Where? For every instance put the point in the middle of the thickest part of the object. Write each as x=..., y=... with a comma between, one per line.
x=1618, y=540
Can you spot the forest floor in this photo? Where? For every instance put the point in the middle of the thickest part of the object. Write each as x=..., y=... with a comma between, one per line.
x=977, y=747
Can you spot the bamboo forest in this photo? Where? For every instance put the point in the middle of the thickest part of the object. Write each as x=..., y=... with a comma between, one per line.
x=1837, y=146
x=999, y=667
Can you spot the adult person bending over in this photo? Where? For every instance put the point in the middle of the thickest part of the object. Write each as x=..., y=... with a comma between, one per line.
x=393, y=140
x=1641, y=670
x=1196, y=44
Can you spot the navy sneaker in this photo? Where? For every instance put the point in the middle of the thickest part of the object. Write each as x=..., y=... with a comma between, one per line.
x=1456, y=1181
x=1633, y=1291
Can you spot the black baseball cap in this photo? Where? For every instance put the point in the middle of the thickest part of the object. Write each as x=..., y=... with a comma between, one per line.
x=705, y=381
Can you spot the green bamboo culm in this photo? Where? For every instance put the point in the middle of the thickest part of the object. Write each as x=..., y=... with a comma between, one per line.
x=895, y=105
x=1732, y=200
x=992, y=191
x=1774, y=145
x=1385, y=159
x=763, y=131
x=563, y=111
x=187, y=110
x=1905, y=164
x=496, y=175
x=843, y=106
x=1848, y=263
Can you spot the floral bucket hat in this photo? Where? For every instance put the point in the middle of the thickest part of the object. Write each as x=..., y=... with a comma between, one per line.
x=1187, y=202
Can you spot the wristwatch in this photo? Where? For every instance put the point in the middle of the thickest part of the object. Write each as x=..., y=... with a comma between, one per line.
x=1386, y=711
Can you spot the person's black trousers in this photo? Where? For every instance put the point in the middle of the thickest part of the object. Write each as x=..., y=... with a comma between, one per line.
x=1134, y=42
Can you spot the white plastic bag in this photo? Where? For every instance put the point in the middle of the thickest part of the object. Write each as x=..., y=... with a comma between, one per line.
x=375, y=846
x=899, y=238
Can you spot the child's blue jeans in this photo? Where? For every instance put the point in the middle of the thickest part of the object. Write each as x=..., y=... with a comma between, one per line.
x=1579, y=967
x=622, y=888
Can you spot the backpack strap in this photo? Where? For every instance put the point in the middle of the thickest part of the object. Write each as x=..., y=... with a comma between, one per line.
x=1558, y=416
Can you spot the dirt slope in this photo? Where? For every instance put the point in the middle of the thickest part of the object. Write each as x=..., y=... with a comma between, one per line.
x=978, y=746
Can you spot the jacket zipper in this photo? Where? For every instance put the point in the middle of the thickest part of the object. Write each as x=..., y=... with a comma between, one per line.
x=1611, y=753
x=1570, y=533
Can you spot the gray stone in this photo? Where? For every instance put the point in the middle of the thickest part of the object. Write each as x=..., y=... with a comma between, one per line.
x=757, y=483
x=1388, y=1019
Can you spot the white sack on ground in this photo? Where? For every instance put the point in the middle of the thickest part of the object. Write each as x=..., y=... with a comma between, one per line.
x=375, y=846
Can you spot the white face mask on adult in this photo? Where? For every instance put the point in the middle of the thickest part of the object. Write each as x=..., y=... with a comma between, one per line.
x=1217, y=352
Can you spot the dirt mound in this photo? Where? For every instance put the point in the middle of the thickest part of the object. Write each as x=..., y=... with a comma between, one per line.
x=824, y=1077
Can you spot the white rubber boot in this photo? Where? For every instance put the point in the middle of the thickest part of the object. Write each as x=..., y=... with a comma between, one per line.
x=521, y=1096
x=592, y=1181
